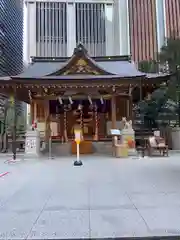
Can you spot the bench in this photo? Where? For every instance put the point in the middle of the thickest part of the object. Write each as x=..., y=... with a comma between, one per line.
x=157, y=144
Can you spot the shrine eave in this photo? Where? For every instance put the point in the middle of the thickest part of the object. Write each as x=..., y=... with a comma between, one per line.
x=84, y=79
x=81, y=77
x=43, y=69
x=68, y=79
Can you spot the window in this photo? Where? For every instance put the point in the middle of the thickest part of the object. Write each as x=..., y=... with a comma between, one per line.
x=51, y=22
x=90, y=27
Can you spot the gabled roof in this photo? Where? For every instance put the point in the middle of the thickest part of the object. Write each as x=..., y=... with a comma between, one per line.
x=43, y=67
x=107, y=67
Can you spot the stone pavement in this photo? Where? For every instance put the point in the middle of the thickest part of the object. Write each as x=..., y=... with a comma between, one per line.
x=106, y=197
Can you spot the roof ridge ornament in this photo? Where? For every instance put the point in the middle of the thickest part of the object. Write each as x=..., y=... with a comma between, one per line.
x=80, y=50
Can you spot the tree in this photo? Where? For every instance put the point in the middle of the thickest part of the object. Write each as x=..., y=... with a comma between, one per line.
x=158, y=109
x=170, y=57
x=162, y=106
x=170, y=54
x=150, y=66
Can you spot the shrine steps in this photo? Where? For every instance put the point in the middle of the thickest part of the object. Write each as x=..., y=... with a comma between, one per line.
x=103, y=148
x=64, y=149
x=61, y=149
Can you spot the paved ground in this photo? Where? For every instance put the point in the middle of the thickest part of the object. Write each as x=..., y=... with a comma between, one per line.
x=103, y=198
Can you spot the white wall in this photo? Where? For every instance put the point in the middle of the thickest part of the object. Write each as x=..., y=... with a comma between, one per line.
x=31, y=30
x=117, y=27
x=121, y=28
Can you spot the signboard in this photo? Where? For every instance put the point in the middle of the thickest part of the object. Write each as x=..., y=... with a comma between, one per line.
x=115, y=132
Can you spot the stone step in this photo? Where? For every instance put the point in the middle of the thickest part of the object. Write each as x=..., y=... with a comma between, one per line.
x=59, y=149
x=103, y=147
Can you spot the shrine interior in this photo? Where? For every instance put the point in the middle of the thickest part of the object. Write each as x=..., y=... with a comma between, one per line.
x=80, y=112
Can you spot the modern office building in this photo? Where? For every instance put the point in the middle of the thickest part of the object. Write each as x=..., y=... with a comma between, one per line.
x=11, y=37
x=150, y=23
x=104, y=27
x=11, y=42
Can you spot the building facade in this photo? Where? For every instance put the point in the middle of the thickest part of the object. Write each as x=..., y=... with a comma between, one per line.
x=104, y=27
x=11, y=43
x=11, y=37
x=54, y=28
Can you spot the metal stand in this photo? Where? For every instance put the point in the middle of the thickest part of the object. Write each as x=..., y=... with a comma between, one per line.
x=78, y=162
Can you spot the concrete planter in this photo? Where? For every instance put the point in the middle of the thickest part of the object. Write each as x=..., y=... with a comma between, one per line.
x=176, y=138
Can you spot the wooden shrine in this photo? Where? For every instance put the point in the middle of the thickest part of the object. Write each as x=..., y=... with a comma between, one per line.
x=94, y=93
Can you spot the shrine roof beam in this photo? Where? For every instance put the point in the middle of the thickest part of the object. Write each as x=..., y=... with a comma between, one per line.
x=96, y=79
x=75, y=85
x=80, y=78
x=56, y=97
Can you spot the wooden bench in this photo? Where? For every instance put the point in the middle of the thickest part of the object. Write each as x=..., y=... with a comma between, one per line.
x=157, y=144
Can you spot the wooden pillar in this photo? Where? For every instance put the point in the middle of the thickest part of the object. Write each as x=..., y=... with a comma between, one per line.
x=35, y=110
x=96, y=118
x=131, y=108
x=102, y=126
x=130, y=100
x=47, y=121
x=128, y=108
x=31, y=114
x=113, y=112
x=61, y=127
x=65, y=126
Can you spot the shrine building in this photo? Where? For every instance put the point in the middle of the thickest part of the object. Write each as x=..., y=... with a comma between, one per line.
x=93, y=93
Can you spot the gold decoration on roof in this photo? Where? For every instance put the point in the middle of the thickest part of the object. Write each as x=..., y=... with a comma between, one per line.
x=81, y=67
x=81, y=62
